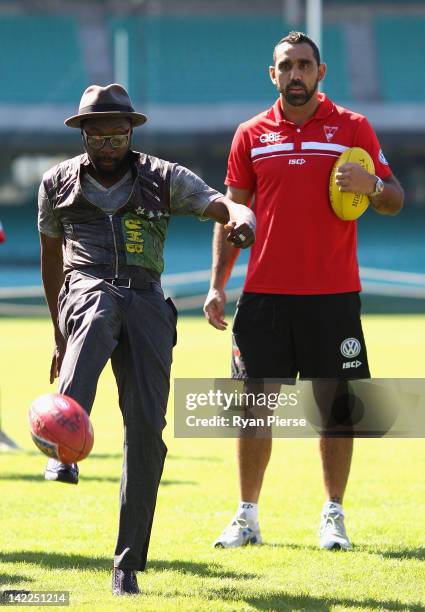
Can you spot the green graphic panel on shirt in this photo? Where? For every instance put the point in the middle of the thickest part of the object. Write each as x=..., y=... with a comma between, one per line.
x=144, y=241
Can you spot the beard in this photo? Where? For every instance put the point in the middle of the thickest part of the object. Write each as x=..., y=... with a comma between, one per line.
x=105, y=165
x=298, y=98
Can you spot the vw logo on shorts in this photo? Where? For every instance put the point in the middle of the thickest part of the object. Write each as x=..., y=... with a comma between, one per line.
x=350, y=347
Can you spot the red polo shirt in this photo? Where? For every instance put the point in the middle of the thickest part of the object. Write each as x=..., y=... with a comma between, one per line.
x=302, y=247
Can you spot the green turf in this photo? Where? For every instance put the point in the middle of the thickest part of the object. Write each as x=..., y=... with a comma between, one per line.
x=57, y=536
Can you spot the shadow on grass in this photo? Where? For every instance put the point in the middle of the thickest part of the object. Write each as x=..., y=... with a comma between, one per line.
x=290, y=545
x=33, y=453
x=167, y=483
x=301, y=547
x=119, y=456
x=388, y=553
x=397, y=553
x=56, y=560
x=199, y=459
x=106, y=456
x=197, y=569
x=13, y=579
x=73, y=561
x=169, y=457
x=40, y=478
x=286, y=601
x=274, y=600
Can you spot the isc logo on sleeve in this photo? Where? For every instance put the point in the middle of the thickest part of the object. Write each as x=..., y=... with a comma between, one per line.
x=298, y=161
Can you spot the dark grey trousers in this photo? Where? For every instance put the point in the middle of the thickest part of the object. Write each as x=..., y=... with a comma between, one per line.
x=136, y=329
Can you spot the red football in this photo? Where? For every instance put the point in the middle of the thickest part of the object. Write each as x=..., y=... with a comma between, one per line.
x=61, y=428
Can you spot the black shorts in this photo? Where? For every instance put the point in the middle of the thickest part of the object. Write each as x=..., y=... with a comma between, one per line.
x=313, y=336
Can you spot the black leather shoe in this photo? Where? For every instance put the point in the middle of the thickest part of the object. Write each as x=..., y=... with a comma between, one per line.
x=124, y=582
x=62, y=472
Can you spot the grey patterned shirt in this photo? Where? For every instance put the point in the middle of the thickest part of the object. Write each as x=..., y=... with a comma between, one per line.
x=189, y=195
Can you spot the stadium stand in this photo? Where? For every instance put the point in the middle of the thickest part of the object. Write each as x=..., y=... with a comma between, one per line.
x=400, y=46
x=194, y=59
x=335, y=53
x=210, y=68
x=180, y=67
x=47, y=66
x=184, y=64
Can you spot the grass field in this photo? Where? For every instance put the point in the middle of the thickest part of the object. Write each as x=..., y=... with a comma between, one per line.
x=57, y=537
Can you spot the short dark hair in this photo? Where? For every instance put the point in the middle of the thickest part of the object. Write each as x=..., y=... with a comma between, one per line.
x=297, y=38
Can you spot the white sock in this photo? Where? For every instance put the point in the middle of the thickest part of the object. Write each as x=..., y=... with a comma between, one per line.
x=249, y=509
x=334, y=504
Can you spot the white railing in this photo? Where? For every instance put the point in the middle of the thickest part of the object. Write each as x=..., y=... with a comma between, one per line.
x=389, y=283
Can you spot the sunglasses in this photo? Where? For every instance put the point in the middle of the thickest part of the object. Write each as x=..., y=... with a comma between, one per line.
x=98, y=142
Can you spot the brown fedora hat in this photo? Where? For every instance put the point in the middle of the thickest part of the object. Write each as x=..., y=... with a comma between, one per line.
x=109, y=101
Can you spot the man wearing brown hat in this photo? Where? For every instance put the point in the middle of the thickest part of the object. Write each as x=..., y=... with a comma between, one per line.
x=103, y=220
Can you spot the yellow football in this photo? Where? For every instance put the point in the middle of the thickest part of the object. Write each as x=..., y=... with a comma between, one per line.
x=346, y=205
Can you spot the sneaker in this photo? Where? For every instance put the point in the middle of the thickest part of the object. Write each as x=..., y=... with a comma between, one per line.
x=62, y=472
x=239, y=532
x=124, y=582
x=332, y=535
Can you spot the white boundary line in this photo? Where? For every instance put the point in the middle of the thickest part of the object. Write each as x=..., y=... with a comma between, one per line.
x=20, y=292
x=403, y=291
x=392, y=275
x=390, y=283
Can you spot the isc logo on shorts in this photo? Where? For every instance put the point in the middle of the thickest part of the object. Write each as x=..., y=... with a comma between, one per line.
x=297, y=162
x=351, y=364
x=270, y=137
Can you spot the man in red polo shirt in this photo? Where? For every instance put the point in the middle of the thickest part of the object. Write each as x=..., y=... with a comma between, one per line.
x=301, y=295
